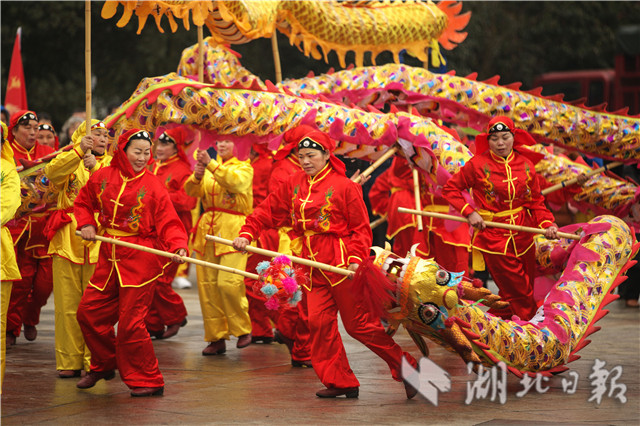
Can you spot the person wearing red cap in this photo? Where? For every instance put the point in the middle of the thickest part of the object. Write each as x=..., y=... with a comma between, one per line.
x=132, y=206
x=173, y=169
x=9, y=203
x=225, y=187
x=30, y=243
x=505, y=189
x=73, y=261
x=330, y=222
x=47, y=136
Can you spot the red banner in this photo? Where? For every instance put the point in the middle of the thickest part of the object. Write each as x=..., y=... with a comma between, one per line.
x=16, y=95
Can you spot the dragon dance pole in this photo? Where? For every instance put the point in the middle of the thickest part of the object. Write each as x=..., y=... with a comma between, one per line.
x=378, y=222
x=295, y=259
x=384, y=157
x=87, y=62
x=492, y=224
x=276, y=55
x=168, y=254
x=200, y=54
x=574, y=180
x=416, y=196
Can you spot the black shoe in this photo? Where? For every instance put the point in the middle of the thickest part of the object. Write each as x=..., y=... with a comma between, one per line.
x=215, y=348
x=147, y=391
x=301, y=364
x=262, y=339
x=92, y=378
x=333, y=392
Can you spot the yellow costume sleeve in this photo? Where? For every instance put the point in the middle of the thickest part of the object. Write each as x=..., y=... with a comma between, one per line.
x=66, y=163
x=233, y=175
x=10, y=188
x=9, y=203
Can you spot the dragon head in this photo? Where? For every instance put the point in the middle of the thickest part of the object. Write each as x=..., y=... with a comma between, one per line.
x=425, y=292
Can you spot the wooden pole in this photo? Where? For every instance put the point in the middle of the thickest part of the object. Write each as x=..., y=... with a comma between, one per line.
x=276, y=55
x=200, y=54
x=295, y=259
x=384, y=157
x=416, y=195
x=169, y=255
x=492, y=224
x=575, y=179
x=87, y=63
x=378, y=222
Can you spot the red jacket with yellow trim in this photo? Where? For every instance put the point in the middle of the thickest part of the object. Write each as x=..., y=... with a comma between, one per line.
x=505, y=190
x=328, y=214
x=137, y=210
x=32, y=225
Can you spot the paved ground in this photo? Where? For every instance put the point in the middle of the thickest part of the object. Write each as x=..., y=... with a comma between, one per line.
x=258, y=385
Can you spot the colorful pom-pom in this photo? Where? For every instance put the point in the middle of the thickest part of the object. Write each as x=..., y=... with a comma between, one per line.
x=262, y=266
x=290, y=285
x=297, y=296
x=282, y=260
x=269, y=290
x=272, y=304
x=289, y=271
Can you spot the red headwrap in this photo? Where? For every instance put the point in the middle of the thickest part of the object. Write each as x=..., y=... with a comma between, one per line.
x=294, y=136
x=291, y=138
x=49, y=128
x=13, y=122
x=120, y=159
x=179, y=135
x=520, y=137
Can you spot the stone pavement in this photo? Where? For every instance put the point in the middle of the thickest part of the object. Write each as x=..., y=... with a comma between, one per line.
x=258, y=385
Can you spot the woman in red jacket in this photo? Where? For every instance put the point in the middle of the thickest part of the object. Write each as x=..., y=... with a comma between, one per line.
x=505, y=189
x=133, y=206
x=329, y=219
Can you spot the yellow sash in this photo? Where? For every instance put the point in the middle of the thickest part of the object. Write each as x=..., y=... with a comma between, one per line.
x=477, y=260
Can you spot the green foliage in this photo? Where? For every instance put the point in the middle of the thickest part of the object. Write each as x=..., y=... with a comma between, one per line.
x=517, y=40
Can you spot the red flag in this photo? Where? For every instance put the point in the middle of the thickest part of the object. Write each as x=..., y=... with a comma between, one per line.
x=16, y=95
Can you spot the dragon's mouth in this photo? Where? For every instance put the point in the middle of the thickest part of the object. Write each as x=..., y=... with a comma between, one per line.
x=395, y=266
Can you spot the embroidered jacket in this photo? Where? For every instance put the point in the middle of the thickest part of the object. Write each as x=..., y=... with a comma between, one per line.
x=31, y=226
x=136, y=209
x=504, y=190
x=327, y=215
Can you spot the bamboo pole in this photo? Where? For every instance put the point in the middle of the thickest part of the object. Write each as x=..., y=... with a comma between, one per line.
x=87, y=63
x=295, y=259
x=575, y=179
x=276, y=56
x=200, y=54
x=170, y=255
x=384, y=157
x=488, y=223
x=378, y=222
x=416, y=195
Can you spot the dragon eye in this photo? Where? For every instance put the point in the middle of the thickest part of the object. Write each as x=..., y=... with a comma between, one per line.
x=428, y=312
x=442, y=277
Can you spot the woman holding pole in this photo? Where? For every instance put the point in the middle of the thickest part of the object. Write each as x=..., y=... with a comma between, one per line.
x=505, y=189
x=132, y=206
x=331, y=225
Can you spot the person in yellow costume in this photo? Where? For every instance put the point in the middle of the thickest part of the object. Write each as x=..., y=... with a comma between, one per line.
x=225, y=187
x=73, y=260
x=9, y=203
